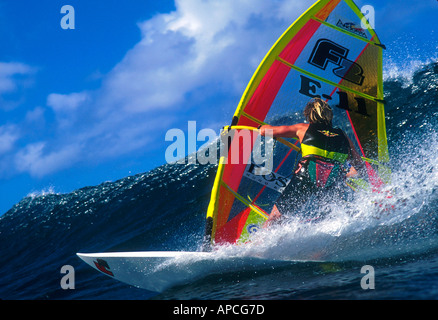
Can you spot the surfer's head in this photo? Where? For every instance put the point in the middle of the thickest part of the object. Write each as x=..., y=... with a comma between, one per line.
x=318, y=111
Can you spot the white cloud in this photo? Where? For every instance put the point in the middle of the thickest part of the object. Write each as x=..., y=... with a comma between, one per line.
x=14, y=77
x=66, y=102
x=8, y=136
x=35, y=116
x=33, y=160
x=201, y=55
x=9, y=72
x=200, y=44
x=67, y=107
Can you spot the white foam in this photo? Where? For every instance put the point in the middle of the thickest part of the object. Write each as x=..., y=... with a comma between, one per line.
x=376, y=225
x=44, y=192
x=403, y=58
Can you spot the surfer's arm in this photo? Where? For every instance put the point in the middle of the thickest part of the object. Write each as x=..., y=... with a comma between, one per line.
x=358, y=166
x=293, y=131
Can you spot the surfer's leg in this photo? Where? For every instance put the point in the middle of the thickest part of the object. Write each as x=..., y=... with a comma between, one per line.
x=291, y=198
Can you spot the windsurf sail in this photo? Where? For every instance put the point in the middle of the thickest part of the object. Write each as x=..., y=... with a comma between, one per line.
x=325, y=53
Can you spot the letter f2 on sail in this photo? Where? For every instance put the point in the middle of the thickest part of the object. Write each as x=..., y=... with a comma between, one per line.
x=325, y=53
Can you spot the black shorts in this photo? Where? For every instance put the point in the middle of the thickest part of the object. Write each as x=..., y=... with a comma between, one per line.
x=314, y=184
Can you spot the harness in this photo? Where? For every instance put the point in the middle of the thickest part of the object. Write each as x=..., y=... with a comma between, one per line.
x=324, y=153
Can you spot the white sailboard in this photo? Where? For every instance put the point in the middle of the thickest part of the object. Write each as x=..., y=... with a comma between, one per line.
x=160, y=270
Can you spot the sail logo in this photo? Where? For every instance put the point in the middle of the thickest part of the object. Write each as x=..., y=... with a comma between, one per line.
x=253, y=228
x=309, y=87
x=268, y=178
x=327, y=51
x=328, y=133
x=103, y=266
x=350, y=26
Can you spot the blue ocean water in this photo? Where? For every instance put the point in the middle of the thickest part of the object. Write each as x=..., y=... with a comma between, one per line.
x=164, y=209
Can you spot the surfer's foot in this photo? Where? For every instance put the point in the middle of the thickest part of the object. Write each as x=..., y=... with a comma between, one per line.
x=273, y=217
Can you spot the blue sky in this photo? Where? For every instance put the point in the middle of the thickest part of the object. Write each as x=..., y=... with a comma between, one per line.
x=93, y=104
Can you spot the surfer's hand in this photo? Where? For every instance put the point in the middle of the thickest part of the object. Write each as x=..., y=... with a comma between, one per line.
x=262, y=129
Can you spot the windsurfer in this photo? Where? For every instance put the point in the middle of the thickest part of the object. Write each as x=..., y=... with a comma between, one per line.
x=328, y=156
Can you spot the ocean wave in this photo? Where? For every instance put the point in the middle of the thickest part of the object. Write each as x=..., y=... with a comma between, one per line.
x=164, y=209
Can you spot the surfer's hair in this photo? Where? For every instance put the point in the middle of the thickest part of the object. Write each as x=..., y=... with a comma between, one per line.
x=318, y=111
